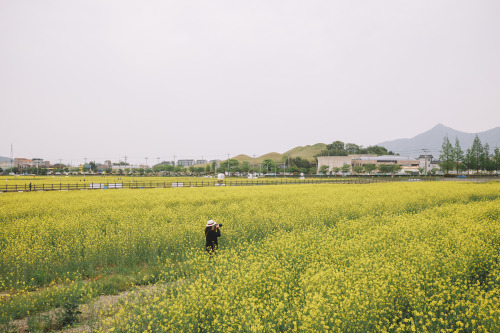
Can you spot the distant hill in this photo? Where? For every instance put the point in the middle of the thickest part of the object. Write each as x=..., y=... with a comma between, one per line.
x=433, y=139
x=242, y=158
x=5, y=159
x=307, y=152
x=272, y=156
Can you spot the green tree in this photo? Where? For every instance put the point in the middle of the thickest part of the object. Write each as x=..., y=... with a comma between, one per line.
x=496, y=159
x=394, y=168
x=245, y=166
x=377, y=150
x=214, y=166
x=421, y=170
x=336, y=148
x=352, y=148
x=358, y=169
x=207, y=168
x=370, y=167
x=346, y=168
x=335, y=170
x=446, y=158
x=485, y=160
x=230, y=165
x=323, y=169
x=473, y=155
x=268, y=165
x=458, y=156
x=300, y=162
x=93, y=166
x=384, y=168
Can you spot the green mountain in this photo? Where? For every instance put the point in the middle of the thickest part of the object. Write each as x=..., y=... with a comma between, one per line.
x=307, y=152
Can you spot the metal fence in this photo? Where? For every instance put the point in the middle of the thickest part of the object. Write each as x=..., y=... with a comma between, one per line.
x=214, y=183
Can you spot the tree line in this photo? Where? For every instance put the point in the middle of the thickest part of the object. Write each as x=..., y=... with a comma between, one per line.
x=339, y=148
x=477, y=157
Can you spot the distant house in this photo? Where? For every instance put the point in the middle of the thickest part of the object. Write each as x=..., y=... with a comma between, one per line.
x=22, y=163
x=201, y=161
x=185, y=163
x=427, y=162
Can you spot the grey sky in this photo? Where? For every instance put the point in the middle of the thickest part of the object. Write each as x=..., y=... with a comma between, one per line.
x=104, y=79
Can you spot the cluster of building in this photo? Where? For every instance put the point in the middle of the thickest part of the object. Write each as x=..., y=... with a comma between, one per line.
x=407, y=164
x=183, y=163
x=23, y=163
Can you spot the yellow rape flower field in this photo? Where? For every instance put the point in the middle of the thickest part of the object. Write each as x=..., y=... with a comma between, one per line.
x=389, y=257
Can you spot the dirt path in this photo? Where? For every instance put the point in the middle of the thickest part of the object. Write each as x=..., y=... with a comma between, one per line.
x=91, y=314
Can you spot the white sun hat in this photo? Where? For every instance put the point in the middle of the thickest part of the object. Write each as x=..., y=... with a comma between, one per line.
x=211, y=223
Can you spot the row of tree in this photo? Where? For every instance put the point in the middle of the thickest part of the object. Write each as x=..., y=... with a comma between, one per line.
x=477, y=157
x=368, y=168
x=268, y=166
x=339, y=148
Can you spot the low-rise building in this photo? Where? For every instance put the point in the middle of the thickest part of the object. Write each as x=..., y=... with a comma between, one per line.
x=427, y=162
x=23, y=163
x=338, y=161
x=408, y=164
x=185, y=163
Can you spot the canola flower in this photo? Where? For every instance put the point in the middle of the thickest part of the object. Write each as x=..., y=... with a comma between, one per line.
x=328, y=258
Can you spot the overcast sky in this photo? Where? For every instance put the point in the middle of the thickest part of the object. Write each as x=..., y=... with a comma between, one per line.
x=105, y=79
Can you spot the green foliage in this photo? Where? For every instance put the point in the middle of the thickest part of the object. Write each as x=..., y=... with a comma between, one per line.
x=70, y=313
x=458, y=156
x=300, y=162
x=394, y=168
x=231, y=165
x=370, y=167
x=245, y=166
x=93, y=166
x=338, y=148
x=496, y=159
x=323, y=169
x=268, y=166
x=446, y=158
x=384, y=168
x=346, y=168
x=358, y=169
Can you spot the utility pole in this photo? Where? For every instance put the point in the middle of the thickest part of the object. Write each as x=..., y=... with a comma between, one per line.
x=146, y=162
x=425, y=166
x=125, y=159
x=174, y=159
x=158, y=160
x=228, y=173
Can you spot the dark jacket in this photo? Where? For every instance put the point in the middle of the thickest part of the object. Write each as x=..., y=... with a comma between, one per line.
x=211, y=237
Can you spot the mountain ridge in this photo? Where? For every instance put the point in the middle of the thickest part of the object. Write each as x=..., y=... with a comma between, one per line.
x=432, y=140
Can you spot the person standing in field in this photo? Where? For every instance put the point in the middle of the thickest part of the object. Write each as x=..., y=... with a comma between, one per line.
x=212, y=233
